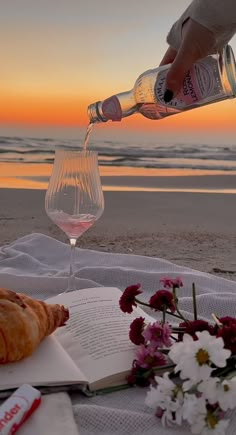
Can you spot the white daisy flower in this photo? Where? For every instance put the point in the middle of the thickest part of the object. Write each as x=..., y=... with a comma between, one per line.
x=218, y=429
x=193, y=407
x=178, y=349
x=202, y=421
x=173, y=413
x=168, y=397
x=155, y=397
x=223, y=393
x=227, y=394
x=209, y=390
x=198, y=357
x=218, y=355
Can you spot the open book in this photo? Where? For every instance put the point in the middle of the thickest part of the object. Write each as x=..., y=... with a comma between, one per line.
x=91, y=352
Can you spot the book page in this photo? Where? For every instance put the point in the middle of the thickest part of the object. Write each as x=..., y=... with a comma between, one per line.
x=48, y=365
x=97, y=333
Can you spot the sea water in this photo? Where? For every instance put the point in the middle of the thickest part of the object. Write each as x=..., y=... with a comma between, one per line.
x=117, y=152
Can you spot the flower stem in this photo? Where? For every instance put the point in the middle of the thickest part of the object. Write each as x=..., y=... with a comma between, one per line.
x=194, y=301
x=163, y=368
x=174, y=315
x=218, y=323
x=176, y=306
x=164, y=315
x=142, y=303
x=167, y=312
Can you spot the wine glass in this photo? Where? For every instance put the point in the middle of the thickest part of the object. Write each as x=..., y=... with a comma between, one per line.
x=74, y=198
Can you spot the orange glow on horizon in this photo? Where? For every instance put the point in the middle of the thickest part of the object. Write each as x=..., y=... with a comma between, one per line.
x=43, y=110
x=69, y=110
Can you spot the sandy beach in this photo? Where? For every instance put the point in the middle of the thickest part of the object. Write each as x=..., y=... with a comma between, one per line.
x=183, y=219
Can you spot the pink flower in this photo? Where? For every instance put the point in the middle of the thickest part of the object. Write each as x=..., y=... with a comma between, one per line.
x=136, y=330
x=127, y=300
x=162, y=300
x=227, y=320
x=137, y=376
x=228, y=333
x=148, y=357
x=194, y=326
x=158, y=335
x=170, y=283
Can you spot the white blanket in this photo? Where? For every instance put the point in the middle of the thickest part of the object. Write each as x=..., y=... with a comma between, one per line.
x=38, y=265
x=53, y=416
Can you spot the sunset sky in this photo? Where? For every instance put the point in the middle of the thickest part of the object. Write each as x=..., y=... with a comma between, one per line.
x=58, y=56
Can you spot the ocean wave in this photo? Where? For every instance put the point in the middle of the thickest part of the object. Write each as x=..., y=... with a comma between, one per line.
x=115, y=153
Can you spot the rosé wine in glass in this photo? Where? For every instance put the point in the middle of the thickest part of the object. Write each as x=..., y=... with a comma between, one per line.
x=73, y=226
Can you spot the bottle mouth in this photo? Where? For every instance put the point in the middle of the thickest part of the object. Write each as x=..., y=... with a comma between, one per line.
x=230, y=67
x=94, y=114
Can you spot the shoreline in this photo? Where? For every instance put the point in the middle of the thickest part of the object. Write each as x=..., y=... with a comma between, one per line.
x=36, y=176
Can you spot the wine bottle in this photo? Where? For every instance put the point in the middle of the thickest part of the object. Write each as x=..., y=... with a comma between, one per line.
x=210, y=80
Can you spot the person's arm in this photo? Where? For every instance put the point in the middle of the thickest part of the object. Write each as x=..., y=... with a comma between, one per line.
x=204, y=28
x=218, y=16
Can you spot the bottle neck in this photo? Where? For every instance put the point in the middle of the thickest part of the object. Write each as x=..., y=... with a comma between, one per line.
x=113, y=108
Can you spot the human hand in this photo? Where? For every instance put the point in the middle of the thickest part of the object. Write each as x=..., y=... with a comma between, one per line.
x=197, y=42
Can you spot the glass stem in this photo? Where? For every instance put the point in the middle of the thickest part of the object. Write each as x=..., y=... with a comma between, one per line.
x=71, y=280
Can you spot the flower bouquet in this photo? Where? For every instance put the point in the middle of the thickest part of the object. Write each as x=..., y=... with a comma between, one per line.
x=190, y=366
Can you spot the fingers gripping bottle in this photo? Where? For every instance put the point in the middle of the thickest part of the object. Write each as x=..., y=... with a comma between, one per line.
x=210, y=80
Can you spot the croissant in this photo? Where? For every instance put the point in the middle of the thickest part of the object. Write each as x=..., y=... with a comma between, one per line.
x=24, y=323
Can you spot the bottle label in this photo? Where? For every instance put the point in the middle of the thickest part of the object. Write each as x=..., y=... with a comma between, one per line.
x=111, y=109
x=202, y=81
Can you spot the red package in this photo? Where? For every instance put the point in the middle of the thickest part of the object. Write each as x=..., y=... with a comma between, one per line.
x=18, y=408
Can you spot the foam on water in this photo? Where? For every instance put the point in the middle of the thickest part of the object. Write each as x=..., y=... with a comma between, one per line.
x=114, y=153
